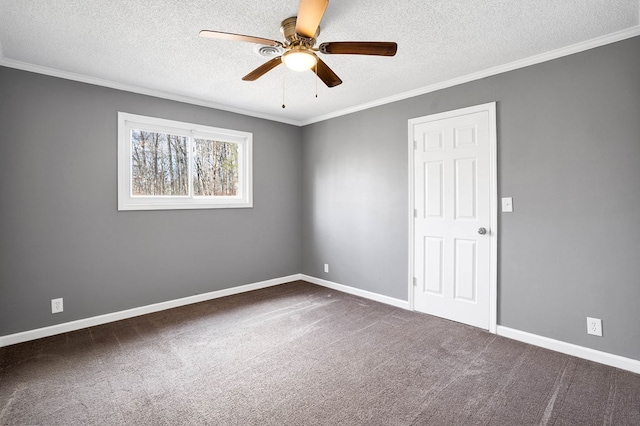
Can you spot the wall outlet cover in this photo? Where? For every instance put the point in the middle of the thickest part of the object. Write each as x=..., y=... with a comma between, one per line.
x=57, y=305
x=594, y=326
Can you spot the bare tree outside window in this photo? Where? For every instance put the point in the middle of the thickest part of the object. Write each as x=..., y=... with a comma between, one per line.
x=159, y=163
x=215, y=168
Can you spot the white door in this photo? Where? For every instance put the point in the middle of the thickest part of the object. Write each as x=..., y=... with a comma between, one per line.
x=454, y=209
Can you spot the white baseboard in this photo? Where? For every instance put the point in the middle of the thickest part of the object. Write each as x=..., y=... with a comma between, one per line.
x=571, y=349
x=39, y=333
x=357, y=292
x=522, y=336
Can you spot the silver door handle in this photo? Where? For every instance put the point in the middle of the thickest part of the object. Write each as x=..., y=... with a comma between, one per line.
x=482, y=231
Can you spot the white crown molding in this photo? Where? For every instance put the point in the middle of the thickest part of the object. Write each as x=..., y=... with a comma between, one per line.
x=554, y=54
x=605, y=358
x=532, y=60
x=24, y=66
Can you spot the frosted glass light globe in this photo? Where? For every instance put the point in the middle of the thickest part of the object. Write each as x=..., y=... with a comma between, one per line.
x=299, y=60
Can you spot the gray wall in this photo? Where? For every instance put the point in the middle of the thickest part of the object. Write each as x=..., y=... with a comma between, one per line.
x=62, y=235
x=569, y=155
x=335, y=191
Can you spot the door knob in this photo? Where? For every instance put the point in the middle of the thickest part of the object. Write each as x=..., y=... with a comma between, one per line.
x=482, y=231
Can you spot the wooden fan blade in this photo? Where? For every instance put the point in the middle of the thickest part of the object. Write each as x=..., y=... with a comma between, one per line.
x=377, y=48
x=239, y=37
x=263, y=69
x=310, y=14
x=326, y=74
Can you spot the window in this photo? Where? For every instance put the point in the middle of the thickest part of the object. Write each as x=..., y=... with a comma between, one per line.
x=165, y=165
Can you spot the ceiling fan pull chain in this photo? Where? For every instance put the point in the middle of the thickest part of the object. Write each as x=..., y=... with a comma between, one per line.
x=316, y=79
x=284, y=73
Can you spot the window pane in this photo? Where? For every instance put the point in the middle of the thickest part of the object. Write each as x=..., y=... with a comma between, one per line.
x=159, y=164
x=168, y=165
x=215, y=168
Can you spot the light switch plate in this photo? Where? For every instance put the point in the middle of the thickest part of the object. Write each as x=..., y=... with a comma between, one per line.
x=507, y=205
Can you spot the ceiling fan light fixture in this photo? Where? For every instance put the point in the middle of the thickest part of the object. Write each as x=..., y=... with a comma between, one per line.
x=297, y=51
x=299, y=59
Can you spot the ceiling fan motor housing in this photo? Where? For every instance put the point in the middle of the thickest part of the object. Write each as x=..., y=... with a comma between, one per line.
x=288, y=30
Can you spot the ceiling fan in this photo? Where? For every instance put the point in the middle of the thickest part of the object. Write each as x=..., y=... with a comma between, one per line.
x=300, y=33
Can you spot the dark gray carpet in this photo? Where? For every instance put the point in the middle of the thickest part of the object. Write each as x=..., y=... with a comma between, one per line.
x=298, y=354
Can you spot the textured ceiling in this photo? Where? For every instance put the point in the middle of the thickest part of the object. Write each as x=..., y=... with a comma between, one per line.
x=153, y=46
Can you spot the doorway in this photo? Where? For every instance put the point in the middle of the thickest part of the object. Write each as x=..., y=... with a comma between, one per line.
x=453, y=215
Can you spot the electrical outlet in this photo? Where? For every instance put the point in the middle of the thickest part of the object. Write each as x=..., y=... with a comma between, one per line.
x=594, y=326
x=56, y=305
x=326, y=268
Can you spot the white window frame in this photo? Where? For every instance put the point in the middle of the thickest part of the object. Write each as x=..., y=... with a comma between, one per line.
x=126, y=201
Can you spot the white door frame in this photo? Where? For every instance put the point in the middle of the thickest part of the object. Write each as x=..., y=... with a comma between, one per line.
x=493, y=195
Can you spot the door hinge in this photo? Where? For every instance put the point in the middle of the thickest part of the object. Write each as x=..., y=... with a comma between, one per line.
x=415, y=144
x=415, y=212
x=415, y=282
